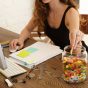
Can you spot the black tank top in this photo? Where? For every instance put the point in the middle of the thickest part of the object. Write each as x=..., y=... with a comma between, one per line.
x=59, y=36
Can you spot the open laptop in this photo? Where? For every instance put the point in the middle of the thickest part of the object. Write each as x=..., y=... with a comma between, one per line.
x=8, y=68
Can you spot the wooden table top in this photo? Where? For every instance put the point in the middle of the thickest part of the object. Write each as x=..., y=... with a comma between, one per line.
x=51, y=75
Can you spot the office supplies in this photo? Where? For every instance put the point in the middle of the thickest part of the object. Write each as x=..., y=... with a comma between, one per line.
x=9, y=68
x=12, y=69
x=29, y=74
x=3, y=64
x=35, y=54
x=9, y=83
x=14, y=80
x=5, y=44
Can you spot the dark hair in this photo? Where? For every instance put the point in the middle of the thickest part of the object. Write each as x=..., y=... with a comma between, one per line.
x=41, y=11
x=73, y=3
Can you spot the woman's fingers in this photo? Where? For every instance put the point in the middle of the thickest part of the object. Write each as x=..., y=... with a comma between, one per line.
x=16, y=42
x=75, y=38
x=20, y=45
x=72, y=37
x=79, y=37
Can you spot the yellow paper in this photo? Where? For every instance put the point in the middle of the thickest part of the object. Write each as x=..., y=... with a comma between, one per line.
x=23, y=54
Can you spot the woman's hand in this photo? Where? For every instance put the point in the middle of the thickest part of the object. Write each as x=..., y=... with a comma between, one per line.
x=75, y=39
x=16, y=42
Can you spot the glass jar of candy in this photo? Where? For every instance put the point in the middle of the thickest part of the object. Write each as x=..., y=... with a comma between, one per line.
x=74, y=64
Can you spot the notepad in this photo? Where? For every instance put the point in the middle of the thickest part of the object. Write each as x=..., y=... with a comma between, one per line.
x=35, y=54
x=27, y=52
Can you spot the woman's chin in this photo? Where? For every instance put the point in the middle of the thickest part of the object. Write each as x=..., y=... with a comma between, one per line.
x=45, y=2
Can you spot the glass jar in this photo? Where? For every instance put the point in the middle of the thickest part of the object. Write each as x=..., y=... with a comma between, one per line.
x=74, y=65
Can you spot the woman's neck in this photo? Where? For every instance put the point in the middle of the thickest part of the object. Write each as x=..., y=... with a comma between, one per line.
x=55, y=5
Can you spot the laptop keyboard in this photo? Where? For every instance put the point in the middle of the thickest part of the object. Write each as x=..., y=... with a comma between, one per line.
x=12, y=69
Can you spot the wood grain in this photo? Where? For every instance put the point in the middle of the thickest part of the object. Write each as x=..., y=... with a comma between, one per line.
x=52, y=77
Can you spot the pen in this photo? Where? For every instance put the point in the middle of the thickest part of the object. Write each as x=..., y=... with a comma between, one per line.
x=5, y=44
x=29, y=74
x=31, y=69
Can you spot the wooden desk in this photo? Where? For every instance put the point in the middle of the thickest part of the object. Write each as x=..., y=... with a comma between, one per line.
x=52, y=74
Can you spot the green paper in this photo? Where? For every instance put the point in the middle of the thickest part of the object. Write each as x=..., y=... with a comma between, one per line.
x=31, y=50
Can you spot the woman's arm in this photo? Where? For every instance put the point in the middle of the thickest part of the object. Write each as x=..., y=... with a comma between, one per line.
x=72, y=23
x=27, y=30
x=25, y=34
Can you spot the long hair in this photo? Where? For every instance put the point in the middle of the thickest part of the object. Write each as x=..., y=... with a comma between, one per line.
x=41, y=12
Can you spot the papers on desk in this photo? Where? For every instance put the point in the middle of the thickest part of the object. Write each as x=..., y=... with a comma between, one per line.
x=35, y=54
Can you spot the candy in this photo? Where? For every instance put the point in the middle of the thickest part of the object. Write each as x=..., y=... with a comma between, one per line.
x=74, y=64
x=74, y=69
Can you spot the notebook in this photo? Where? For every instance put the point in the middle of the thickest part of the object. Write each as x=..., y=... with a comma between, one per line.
x=35, y=54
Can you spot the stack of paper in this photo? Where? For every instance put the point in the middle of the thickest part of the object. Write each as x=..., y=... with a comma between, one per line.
x=35, y=54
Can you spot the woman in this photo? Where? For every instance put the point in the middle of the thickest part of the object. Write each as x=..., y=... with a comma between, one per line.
x=58, y=18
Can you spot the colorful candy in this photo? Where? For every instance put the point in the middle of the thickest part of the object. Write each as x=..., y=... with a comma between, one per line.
x=74, y=69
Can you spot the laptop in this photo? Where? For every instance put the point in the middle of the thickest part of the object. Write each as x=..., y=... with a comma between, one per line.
x=8, y=68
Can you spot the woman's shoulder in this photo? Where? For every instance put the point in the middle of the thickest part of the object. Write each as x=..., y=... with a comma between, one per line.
x=72, y=17
x=72, y=11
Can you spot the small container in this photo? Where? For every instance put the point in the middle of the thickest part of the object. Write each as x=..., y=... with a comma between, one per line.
x=74, y=65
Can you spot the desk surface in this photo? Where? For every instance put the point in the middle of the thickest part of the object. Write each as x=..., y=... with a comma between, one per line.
x=52, y=70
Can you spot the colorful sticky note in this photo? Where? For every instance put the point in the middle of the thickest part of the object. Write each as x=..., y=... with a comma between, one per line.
x=23, y=54
x=31, y=50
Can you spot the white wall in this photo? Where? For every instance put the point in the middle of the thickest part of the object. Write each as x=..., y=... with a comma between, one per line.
x=15, y=14
x=83, y=7
x=84, y=10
